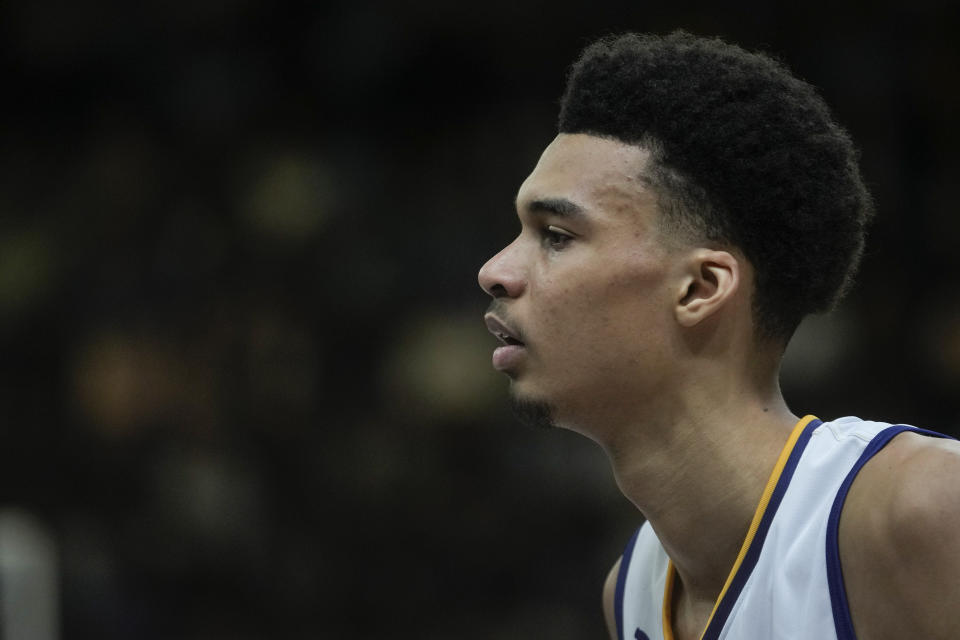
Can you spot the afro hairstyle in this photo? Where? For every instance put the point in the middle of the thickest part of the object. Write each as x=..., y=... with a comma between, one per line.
x=743, y=153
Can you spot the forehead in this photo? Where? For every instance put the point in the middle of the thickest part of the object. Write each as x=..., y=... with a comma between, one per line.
x=601, y=175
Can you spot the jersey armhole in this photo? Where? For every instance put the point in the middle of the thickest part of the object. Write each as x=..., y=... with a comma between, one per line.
x=843, y=622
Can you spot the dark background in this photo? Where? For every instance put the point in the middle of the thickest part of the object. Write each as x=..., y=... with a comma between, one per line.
x=246, y=389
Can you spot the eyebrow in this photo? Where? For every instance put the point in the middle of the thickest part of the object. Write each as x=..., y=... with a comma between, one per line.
x=556, y=206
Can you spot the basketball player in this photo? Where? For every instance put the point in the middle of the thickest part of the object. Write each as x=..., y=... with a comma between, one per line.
x=697, y=203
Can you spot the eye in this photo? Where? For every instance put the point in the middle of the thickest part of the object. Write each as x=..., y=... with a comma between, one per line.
x=556, y=238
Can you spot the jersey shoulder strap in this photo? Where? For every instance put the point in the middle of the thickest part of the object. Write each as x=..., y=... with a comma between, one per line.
x=638, y=601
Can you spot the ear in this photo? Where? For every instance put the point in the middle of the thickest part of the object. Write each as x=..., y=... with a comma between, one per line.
x=710, y=280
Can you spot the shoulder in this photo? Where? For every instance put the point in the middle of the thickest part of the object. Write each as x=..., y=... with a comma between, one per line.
x=912, y=487
x=926, y=480
x=898, y=545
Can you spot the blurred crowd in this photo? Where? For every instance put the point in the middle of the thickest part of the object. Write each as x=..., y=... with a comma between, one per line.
x=246, y=390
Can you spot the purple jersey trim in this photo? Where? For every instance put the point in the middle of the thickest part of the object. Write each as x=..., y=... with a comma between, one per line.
x=838, y=593
x=753, y=553
x=621, y=583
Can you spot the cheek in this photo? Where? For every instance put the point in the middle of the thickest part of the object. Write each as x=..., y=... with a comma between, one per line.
x=604, y=319
x=604, y=304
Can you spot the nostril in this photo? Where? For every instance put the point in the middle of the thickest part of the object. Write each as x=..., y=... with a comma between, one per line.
x=498, y=291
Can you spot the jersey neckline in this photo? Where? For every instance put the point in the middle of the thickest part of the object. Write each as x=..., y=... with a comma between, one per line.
x=753, y=542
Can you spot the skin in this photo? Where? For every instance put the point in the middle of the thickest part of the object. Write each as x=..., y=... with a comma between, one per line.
x=644, y=341
x=898, y=542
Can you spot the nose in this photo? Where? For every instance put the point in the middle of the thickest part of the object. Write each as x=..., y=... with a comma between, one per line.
x=502, y=276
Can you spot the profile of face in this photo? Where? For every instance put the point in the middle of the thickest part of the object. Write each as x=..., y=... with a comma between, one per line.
x=584, y=297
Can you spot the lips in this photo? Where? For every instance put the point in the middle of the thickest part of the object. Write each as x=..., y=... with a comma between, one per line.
x=508, y=356
x=503, y=333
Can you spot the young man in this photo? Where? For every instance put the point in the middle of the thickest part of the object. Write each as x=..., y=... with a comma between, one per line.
x=697, y=203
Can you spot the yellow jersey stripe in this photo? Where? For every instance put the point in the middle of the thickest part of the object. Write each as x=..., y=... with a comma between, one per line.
x=751, y=532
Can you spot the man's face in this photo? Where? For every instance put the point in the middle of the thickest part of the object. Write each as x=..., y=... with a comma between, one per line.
x=589, y=284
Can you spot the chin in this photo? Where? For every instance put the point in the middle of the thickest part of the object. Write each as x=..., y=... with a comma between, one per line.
x=533, y=413
x=530, y=409
x=538, y=410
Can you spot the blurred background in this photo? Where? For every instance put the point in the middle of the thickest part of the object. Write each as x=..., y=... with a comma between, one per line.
x=246, y=389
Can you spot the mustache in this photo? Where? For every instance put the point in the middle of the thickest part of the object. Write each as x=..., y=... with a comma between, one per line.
x=498, y=308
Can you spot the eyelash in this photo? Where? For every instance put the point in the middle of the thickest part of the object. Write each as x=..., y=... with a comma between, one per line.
x=556, y=239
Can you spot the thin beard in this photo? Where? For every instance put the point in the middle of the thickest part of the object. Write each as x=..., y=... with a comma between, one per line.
x=533, y=413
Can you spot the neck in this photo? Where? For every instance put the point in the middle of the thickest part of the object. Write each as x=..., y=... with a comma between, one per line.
x=697, y=476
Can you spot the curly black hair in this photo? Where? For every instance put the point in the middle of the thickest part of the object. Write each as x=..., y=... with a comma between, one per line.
x=742, y=152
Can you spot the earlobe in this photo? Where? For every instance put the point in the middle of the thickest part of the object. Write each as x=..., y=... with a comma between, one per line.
x=711, y=280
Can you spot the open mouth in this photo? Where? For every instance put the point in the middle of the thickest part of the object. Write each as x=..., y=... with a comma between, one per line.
x=502, y=332
x=509, y=356
x=507, y=339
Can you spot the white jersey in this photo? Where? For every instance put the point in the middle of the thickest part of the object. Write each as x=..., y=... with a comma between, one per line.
x=786, y=582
